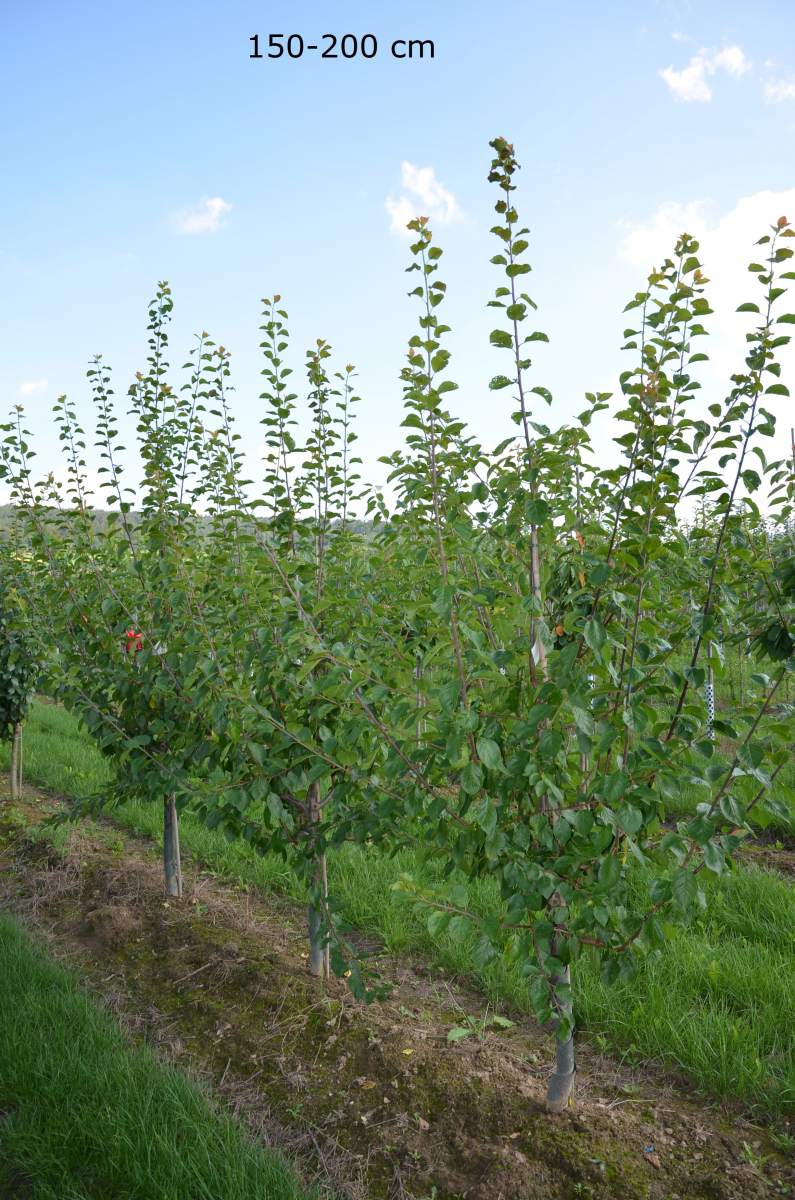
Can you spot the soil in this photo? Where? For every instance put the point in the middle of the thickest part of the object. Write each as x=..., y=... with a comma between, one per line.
x=371, y=1101
x=771, y=856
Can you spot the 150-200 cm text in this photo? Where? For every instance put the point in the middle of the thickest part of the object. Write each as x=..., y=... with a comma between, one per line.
x=331, y=45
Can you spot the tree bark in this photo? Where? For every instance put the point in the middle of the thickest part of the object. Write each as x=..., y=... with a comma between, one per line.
x=12, y=777
x=561, y=1081
x=318, y=952
x=16, y=763
x=19, y=761
x=172, y=863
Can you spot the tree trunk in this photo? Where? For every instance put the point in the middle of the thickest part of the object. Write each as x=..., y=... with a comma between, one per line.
x=561, y=1081
x=16, y=763
x=318, y=953
x=12, y=777
x=19, y=761
x=172, y=863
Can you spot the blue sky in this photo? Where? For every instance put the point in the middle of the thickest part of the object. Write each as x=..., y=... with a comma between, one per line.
x=121, y=122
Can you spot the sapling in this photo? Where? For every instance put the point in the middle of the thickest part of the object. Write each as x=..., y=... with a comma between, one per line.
x=509, y=672
x=18, y=667
x=562, y=761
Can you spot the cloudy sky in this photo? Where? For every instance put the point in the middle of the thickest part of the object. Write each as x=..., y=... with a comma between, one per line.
x=140, y=142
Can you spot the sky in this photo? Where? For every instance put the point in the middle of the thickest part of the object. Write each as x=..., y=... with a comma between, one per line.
x=140, y=142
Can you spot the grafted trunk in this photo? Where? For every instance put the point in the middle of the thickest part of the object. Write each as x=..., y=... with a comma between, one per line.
x=561, y=1081
x=172, y=863
x=318, y=952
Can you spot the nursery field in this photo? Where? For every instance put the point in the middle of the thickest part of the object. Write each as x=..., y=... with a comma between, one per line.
x=439, y=836
x=717, y=1006
x=698, y=1047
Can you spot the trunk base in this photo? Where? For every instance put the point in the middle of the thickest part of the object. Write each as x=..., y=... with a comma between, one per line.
x=172, y=863
x=561, y=1081
x=559, y=1091
x=317, y=952
x=16, y=763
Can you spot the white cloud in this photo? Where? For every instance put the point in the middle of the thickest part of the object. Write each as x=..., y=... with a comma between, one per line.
x=426, y=197
x=733, y=60
x=204, y=217
x=401, y=211
x=778, y=90
x=647, y=243
x=726, y=247
x=690, y=84
x=30, y=387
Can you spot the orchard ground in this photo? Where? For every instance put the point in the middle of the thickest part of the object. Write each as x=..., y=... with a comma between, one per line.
x=687, y=1075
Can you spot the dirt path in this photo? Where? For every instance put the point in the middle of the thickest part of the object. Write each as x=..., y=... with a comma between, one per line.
x=372, y=1100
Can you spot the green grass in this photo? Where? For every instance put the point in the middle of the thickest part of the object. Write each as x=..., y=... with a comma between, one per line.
x=58, y=754
x=84, y=1116
x=719, y=1002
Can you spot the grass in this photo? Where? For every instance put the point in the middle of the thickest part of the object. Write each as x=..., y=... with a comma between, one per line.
x=85, y=1116
x=718, y=1003
x=58, y=754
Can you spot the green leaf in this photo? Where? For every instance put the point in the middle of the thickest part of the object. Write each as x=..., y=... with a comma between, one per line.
x=490, y=754
x=536, y=510
x=484, y=813
x=483, y=952
x=714, y=858
x=594, y=634
x=437, y=923
x=629, y=818
x=471, y=779
x=684, y=889
x=583, y=720
x=609, y=871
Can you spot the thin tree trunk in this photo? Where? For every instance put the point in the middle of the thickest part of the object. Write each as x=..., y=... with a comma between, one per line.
x=172, y=863
x=318, y=953
x=16, y=764
x=561, y=1081
x=742, y=669
x=13, y=770
x=327, y=949
x=538, y=645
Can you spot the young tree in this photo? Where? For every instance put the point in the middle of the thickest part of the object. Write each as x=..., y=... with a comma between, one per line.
x=18, y=668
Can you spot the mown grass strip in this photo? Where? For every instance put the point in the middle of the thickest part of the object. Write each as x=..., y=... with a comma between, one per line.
x=85, y=1116
x=718, y=1003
